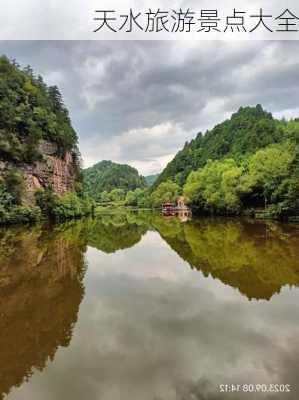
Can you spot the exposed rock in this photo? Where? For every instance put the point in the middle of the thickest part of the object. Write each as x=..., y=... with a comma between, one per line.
x=52, y=171
x=31, y=184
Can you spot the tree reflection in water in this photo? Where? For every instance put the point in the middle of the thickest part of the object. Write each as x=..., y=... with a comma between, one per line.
x=42, y=271
x=258, y=258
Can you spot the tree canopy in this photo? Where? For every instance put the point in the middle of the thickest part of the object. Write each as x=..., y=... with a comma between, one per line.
x=30, y=111
x=269, y=177
x=215, y=187
x=166, y=192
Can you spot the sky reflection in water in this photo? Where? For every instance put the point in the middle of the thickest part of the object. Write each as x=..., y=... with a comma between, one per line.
x=142, y=307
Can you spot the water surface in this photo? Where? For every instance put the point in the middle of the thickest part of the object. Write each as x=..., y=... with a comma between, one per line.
x=138, y=306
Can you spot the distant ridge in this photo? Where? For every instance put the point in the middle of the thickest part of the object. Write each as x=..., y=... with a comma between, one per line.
x=108, y=175
x=151, y=179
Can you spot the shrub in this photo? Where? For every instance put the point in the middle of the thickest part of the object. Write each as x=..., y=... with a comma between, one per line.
x=71, y=206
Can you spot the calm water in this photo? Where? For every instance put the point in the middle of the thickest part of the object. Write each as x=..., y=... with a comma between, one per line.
x=137, y=306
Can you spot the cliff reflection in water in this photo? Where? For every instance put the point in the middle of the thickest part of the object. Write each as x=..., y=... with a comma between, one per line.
x=41, y=289
x=42, y=271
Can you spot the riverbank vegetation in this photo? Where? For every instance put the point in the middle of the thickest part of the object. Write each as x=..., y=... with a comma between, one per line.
x=47, y=204
x=61, y=208
x=267, y=179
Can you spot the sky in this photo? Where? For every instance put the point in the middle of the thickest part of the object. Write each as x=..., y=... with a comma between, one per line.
x=138, y=102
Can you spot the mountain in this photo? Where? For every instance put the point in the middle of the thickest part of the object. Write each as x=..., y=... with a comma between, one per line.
x=248, y=130
x=151, y=179
x=38, y=145
x=107, y=175
x=37, y=140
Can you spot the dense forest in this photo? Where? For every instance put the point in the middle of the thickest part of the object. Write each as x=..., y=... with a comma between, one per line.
x=108, y=181
x=249, y=162
x=30, y=113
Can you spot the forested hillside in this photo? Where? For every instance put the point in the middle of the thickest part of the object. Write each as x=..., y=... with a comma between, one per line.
x=247, y=163
x=39, y=157
x=108, y=177
x=248, y=130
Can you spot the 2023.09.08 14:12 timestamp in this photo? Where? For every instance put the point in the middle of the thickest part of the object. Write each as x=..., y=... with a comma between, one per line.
x=255, y=388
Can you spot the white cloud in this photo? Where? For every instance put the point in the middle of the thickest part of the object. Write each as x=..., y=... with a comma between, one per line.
x=143, y=148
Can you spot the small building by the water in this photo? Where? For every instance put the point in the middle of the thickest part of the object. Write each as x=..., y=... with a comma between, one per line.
x=169, y=208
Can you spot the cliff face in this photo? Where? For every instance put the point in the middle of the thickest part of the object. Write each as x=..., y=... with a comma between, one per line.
x=52, y=171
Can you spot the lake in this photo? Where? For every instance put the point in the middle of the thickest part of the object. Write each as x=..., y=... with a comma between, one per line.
x=139, y=306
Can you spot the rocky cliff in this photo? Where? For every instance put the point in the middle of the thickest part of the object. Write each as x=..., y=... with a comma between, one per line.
x=52, y=170
x=38, y=145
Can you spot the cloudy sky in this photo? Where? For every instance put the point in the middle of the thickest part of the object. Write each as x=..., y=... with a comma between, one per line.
x=137, y=102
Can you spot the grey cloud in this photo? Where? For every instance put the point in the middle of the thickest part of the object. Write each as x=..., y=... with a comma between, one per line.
x=115, y=87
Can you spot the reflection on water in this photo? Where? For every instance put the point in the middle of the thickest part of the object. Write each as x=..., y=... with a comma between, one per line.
x=256, y=258
x=40, y=293
x=109, y=308
x=114, y=232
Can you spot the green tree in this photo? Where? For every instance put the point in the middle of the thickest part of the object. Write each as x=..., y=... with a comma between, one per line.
x=14, y=183
x=215, y=187
x=166, y=192
x=131, y=198
x=139, y=198
x=29, y=111
x=269, y=170
x=46, y=201
x=117, y=194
